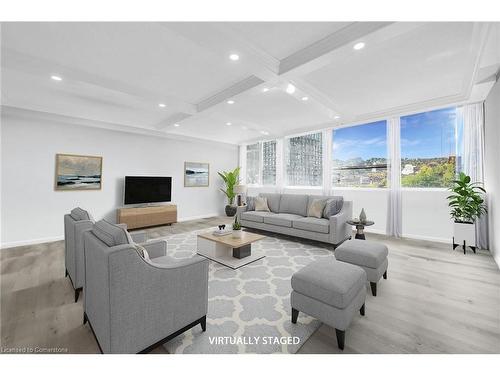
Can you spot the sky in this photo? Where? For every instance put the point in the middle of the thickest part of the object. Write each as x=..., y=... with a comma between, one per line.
x=423, y=135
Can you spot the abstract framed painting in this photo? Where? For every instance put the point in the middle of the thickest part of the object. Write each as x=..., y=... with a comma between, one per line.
x=196, y=174
x=78, y=172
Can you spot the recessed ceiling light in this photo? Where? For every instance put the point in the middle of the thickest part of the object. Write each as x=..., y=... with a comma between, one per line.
x=305, y=98
x=56, y=78
x=230, y=102
x=228, y=124
x=234, y=57
x=359, y=45
x=264, y=132
x=290, y=89
x=176, y=125
x=162, y=105
x=265, y=89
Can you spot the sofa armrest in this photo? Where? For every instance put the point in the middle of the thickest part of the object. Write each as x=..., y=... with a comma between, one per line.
x=240, y=210
x=339, y=229
x=155, y=248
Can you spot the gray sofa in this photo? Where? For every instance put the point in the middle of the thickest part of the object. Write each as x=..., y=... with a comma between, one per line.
x=134, y=303
x=288, y=215
x=75, y=224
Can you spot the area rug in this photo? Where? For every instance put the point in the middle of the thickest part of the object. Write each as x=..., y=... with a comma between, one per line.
x=249, y=308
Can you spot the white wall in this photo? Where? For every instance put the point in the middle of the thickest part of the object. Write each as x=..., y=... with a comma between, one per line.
x=492, y=167
x=32, y=211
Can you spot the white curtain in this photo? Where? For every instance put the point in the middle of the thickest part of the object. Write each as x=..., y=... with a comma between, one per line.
x=394, y=209
x=471, y=117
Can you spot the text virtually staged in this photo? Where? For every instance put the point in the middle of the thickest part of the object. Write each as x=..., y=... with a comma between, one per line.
x=250, y=188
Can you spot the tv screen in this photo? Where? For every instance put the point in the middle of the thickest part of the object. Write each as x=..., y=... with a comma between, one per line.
x=140, y=189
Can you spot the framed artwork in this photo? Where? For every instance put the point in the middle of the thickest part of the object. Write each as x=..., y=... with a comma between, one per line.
x=78, y=172
x=196, y=174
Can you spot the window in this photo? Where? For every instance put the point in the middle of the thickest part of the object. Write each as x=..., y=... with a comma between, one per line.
x=261, y=163
x=428, y=144
x=269, y=163
x=253, y=161
x=304, y=161
x=359, y=156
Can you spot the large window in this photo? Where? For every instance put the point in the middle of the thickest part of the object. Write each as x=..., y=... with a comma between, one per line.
x=261, y=163
x=304, y=161
x=269, y=163
x=428, y=148
x=359, y=156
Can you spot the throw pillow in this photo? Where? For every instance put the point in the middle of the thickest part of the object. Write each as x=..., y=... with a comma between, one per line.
x=316, y=208
x=141, y=250
x=333, y=206
x=261, y=204
x=250, y=203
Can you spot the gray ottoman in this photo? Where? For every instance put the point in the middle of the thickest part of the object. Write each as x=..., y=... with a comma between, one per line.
x=330, y=291
x=369, y=255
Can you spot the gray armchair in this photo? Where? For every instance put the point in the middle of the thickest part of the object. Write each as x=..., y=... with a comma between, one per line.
x=75, y=224
x=134, y=303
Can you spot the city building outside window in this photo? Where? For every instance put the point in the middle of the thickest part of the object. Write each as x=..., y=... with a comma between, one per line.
x=304, y=160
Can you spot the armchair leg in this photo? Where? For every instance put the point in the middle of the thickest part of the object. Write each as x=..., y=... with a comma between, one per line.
x=340, y=338
x=374, y=288
x=77, y=294
x=85, y=318
x=385, y=275
x=362, y=310
x=65, y=273
x=295, y=315
x=203, y=323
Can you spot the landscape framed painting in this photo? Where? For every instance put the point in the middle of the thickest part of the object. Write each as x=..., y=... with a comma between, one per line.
x=196, y=174
x=78, y=172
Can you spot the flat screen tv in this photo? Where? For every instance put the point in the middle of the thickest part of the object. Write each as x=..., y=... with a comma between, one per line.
x=142, y=189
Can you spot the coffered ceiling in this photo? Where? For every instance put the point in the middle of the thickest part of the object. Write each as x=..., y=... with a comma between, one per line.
x=288, y=77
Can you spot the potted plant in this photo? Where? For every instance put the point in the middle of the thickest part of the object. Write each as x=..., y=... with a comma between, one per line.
x=231, y=179
x=467, y=205
x=237, y=232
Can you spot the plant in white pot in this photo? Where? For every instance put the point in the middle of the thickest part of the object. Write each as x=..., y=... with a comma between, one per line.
x=467, y=205
x=237, y=232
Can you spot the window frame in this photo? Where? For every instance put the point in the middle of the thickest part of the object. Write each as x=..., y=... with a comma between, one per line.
x=260, y=176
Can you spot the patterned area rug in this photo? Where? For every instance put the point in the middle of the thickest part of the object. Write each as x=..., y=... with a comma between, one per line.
x=249, y=308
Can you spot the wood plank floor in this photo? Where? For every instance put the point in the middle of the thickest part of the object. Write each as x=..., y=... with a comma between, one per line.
x=434, y=301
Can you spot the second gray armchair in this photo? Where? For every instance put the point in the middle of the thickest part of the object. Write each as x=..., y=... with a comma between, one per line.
x=135, y=302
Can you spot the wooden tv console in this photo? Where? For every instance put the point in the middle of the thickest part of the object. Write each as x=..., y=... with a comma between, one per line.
x=141, y=217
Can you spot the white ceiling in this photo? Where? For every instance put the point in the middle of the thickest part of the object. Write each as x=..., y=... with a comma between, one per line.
x=118, y=73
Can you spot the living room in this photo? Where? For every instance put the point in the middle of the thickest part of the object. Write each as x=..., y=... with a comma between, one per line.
x=250, y=187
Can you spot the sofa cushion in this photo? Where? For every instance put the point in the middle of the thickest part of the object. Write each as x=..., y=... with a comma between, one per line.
x=255, y=216
x=333, y=206
x=330, y=281
x=312, y=224
x=261, y=204
x=362, y=253
x=283, y=220
x=273, y=201
x=80, y=214
x=111, y=234
x=294, y=204
x=316, y=208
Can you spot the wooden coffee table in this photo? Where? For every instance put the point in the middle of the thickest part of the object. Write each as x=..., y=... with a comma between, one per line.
x=229, y=251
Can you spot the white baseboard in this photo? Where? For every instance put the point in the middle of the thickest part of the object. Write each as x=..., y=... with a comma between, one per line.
x=35, y=241
x=412, y=236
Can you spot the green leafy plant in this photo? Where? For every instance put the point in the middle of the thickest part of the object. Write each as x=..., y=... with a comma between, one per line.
x=466, y=202
x=231, y=179
x=236, y=224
